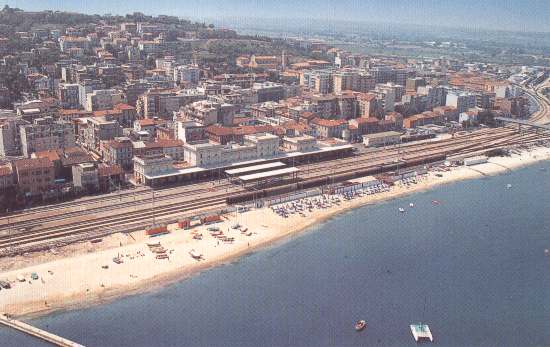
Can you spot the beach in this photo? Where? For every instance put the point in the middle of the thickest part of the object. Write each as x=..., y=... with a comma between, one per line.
x=75, y=276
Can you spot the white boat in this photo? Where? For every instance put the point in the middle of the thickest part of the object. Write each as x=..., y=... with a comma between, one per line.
x=360, y=325
x=411, y=205
x=401, y=209
x=195, y=255
x=508, y=186
x=421, y=332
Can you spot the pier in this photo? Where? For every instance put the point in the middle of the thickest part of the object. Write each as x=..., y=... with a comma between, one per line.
x=36, y=332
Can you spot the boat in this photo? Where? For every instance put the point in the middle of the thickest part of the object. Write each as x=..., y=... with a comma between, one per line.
x=195, y=255
x=401, y=209
x=360, y=325
x=435, y=202
x=411, y=205
x=421, y=332
x=117, y=260
x=508, y=186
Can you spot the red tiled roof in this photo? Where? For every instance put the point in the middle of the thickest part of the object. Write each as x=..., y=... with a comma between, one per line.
x=117, y=144
x=124, y=107
x=217, y=130
x=52, y=155
x=165, y=143
x=35, y=163
x=146, y=122
x=329, y=122
x=109, y=170
x=104, y=113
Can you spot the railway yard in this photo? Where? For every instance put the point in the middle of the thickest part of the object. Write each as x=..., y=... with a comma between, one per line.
x=52, y=226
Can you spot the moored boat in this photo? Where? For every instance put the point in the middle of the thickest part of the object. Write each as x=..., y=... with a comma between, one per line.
x=421, y=332
x=195, y=255
x=360, y=325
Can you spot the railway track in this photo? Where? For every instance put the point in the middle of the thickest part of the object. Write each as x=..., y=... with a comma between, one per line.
x=28, y=224
x=14, y=242
x=34, y=218
x=460, y=143
x=51, y=233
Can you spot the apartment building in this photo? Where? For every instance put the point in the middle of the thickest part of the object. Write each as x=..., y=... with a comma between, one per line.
x=68, y=95
x=34, y=176
x=100, y=129
x=104, y=99
x=462, y=101
x=119, y=151
x=45, y=134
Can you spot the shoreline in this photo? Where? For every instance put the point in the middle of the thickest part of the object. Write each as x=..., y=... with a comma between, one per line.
x=74, y=289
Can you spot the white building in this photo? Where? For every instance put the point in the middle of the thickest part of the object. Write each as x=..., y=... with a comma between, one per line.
x=257, y=146
x=302, y=143
x=187, y=74
x=462, y=101
x=382, y=139
x=85, y=176
x=104, y=99
x=152, y=165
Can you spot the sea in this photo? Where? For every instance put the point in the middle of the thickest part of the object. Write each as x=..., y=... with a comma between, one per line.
x=468, y=259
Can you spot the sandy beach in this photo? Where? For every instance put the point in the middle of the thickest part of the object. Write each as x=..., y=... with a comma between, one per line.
x=84, y=274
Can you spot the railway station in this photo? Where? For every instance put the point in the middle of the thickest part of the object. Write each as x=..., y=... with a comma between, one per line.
x=188, y=175
x=263, y=178
x=248, y=170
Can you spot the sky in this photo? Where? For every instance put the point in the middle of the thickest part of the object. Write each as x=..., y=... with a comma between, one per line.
x=517, y=15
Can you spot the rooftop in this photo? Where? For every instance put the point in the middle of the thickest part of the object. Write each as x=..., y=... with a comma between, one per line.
x=268, y=174
x=35, y=163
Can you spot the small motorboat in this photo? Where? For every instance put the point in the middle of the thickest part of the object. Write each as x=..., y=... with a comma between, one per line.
x=411, y=205
x=508, y=186
x=401, y=209
x=435, y=202
x=360, y=325
x=421, y=332
x=195, y=255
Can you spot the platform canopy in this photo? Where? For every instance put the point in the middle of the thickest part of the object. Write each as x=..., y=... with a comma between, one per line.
x=254, y=168
x=268, y=174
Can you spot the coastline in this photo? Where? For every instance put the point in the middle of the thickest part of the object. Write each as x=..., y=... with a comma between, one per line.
x=70, y=287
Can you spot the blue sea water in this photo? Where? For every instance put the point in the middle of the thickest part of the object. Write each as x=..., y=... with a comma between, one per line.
x=472, y=267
